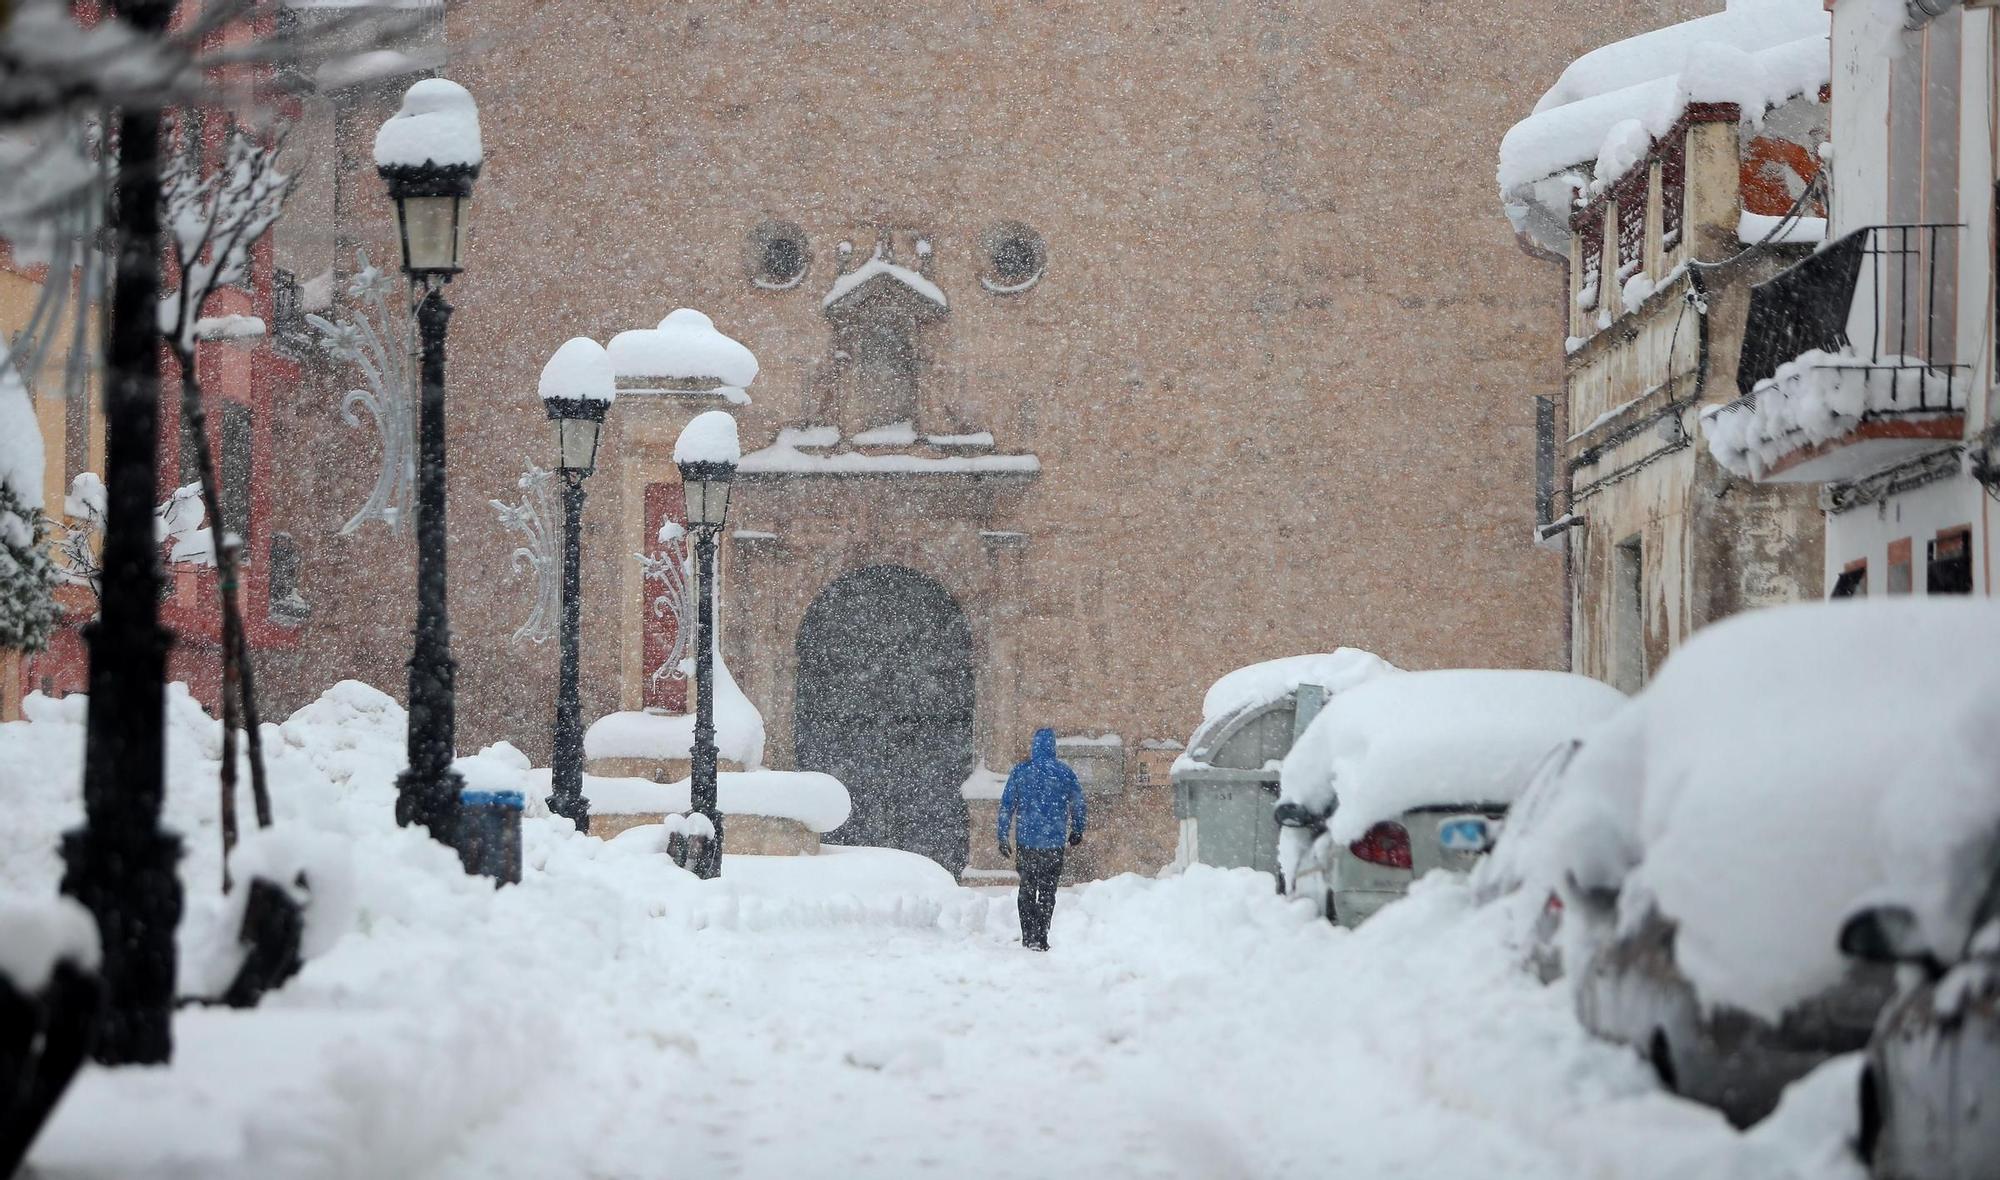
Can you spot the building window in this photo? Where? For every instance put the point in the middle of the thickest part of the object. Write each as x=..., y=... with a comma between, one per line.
x=287, y=606
x=1673, y=188
x=777, y=255
x=187, y=470
x=1628, y=616
x=1014, y=257
x=1590, y=261
x=1899, y=567
x=1924, y=87
x=1948, y=569
x=288, y=313
x=1545, y=459
x=236, y=469
x=1852, y=582
x=1630, y=196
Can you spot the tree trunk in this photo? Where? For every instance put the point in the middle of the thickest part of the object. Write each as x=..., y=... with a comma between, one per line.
x=238, y=702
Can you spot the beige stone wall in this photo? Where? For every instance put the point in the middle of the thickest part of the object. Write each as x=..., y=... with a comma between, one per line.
x=1278, y=372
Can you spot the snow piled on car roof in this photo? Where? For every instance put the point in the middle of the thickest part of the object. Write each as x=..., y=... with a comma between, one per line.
x=1457, y=736
x=1785, y=767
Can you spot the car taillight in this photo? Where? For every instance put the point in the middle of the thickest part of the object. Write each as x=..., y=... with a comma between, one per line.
x=1387, y=843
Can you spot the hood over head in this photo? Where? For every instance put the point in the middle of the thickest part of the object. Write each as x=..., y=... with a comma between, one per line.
x=1045, y=744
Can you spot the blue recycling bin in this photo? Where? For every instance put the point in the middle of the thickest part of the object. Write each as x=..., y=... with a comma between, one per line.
x=489, y=834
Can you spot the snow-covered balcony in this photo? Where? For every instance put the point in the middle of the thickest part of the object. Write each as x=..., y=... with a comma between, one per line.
x=1848, y=366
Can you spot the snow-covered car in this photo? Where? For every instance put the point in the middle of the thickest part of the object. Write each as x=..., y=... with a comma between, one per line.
x=1930, y=1092
x=1410, y=773
x=1930, y=1089
x=1506, y=871
x=1709, y=841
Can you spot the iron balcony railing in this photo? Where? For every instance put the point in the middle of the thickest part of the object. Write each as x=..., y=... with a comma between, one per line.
x=1894, y=286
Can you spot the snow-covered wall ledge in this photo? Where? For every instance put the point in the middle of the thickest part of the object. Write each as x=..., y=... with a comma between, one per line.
x=817, y=801
x=896, y=449
x=1822, y=397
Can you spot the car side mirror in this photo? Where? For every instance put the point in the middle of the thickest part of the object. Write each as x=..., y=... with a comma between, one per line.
x=1292, y=814
x=1884, y=934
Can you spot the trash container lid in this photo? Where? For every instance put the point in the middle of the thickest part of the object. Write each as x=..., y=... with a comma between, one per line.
x=512, y=799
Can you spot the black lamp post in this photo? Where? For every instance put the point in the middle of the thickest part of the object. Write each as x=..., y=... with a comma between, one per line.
x=120, y=863
x=577, y=388
x=429, y=154
x=706, y=455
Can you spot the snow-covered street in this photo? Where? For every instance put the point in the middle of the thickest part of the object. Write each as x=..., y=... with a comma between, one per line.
x=854, y=1012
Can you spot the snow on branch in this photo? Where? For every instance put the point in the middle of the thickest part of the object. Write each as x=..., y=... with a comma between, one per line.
x=214, y=219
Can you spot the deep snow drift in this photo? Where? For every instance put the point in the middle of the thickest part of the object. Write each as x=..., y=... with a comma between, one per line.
x=852, y=1013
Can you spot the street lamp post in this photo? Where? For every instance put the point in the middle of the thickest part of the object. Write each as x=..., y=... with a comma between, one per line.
x=706, y=453
x=429, y=154
x=120, y=863
x=577, y=388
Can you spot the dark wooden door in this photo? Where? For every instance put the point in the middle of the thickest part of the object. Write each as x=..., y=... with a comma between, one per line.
x=884, y=703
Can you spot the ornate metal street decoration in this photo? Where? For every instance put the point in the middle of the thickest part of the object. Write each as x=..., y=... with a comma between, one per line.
x=363, y=337
x=672, y=567
x=540, y=552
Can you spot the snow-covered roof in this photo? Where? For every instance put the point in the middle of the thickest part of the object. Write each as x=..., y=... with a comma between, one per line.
x=1785, y=766
x=1757, y=54
x=580, y=369
x=437, y=124
x=685, y=347
x=1240, y=698
x=854, y=279
x=802, y=452
x=1456, y=736
x=1747, y=25
x=1269, y=681
x=709, y=438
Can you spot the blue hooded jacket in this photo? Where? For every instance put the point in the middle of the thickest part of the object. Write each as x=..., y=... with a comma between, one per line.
x=1044, y=794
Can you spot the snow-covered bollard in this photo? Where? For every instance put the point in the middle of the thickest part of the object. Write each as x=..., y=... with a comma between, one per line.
x=489, y=841
x=50, y=997
x=294, y=902
x=687, y=837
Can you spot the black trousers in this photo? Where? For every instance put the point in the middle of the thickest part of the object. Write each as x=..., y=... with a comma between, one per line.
x=1040, y=869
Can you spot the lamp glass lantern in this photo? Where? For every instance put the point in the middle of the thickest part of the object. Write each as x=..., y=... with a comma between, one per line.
x=433, y=211
x=705, y=483
x=578, y=421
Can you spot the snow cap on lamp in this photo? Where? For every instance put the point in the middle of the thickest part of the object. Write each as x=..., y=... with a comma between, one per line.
x=577, y=389
x=707, y=453
x=429, y=152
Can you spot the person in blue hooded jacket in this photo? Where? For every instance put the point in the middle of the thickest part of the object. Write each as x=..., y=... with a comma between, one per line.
x=1043, y=804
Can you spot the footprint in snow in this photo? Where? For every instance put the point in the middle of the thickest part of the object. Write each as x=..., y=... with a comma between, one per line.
x=896, y=1055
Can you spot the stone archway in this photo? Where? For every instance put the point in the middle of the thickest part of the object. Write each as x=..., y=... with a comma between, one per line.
x=884, y=703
